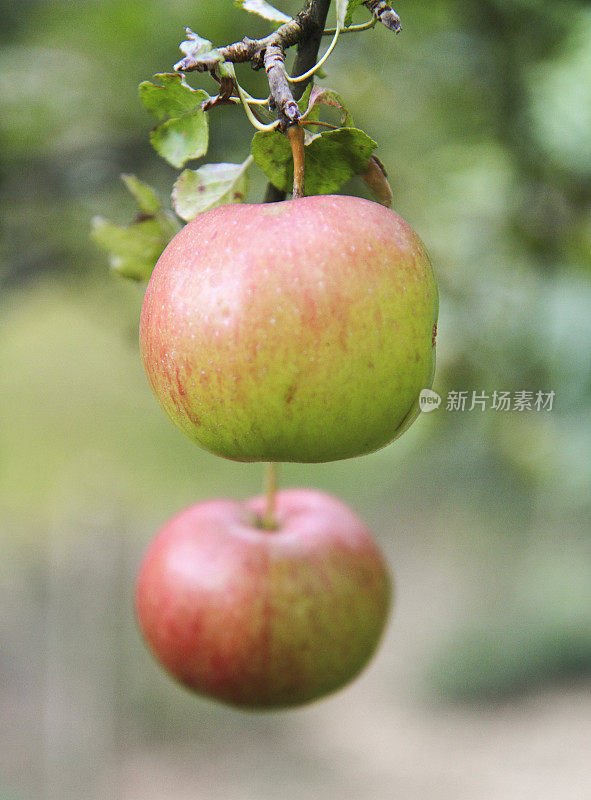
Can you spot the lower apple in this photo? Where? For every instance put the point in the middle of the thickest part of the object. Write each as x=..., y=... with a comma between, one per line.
x=264, y=618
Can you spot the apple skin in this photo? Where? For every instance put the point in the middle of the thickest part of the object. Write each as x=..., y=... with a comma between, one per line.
x=294, y=331
x=264, y=618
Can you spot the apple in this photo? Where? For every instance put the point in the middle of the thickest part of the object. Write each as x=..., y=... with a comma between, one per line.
x=264, y=618
x=294, y=331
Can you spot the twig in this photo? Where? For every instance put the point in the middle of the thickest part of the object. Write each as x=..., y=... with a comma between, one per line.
x=364, y=26
x=385, y=14
x=308, y=74
x=305, y=30
x=249, y=113
x=329, y=125
x=308, y=47
x=282, y=97
x=268, y=52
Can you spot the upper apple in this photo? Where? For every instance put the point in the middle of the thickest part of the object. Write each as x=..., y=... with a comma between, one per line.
x=293, y=331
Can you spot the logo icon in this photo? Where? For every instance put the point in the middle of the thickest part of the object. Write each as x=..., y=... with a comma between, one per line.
x=429, y=400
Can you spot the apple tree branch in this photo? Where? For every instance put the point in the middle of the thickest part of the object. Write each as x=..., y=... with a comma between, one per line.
x=305, y=30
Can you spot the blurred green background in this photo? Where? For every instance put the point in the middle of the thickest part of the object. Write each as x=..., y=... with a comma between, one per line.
x=482, y=112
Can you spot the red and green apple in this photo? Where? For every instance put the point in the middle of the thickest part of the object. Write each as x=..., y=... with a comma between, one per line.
x=264, y=618
x=294, y=331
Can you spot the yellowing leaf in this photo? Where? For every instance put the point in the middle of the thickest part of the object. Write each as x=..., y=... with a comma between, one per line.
x=209, y=186
x=263, y=9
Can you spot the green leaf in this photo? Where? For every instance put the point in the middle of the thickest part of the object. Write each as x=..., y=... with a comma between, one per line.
x=211, y=185
x=304, y=100
x=145, y=196
x=345, y=9
x=335, y=156
x=341, y=11
x=185, y=135
x=320, y=95
x=181, y=139
x=351, y=5
x=331, y=158
x=263, y=9
x=134, y=249
x=173, y=98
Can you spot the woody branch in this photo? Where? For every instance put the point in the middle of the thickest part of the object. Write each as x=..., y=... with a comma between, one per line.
x=305, y=30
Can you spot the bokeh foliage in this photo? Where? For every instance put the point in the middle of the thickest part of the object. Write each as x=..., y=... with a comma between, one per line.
x=482, y=114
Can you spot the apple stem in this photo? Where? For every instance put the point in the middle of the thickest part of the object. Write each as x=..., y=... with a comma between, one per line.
x=269, y=521
x=307, y=53
x=295, y=134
